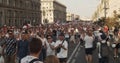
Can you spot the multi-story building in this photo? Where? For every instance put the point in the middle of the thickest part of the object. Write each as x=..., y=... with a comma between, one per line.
x=72, y=17
x=69, y=17
x=17, y=12
x=52, y=11
x=102, y=10
x=114, y=6
x=111, y=7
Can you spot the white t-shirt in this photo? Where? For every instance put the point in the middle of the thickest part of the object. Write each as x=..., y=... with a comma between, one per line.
x=49, y=50
x=96, y=33
x=29, y=58
x=44, y=40
x=88, y=41
x=63, y=53
x=66, y=35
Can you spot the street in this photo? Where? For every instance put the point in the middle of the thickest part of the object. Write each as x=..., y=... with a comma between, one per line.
x=79, y=56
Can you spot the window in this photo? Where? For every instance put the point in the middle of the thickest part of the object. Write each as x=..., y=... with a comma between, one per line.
x=50, y=14
x=10, y=2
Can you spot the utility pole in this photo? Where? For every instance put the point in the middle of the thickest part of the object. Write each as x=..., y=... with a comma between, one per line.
x=105, y=8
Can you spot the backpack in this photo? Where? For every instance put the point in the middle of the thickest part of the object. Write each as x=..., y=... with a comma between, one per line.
x=104, y=50
x=95, y=43
x=103, y=36
x=32, y=61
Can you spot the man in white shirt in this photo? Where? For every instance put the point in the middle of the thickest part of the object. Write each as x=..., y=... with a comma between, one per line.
x=50, y=46
x=63, y=44
x=35, y=47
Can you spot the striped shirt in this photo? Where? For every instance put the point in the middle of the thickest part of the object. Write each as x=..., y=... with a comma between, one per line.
x=10, y=46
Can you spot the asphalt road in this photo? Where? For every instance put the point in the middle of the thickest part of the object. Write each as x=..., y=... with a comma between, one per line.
x=79, y=56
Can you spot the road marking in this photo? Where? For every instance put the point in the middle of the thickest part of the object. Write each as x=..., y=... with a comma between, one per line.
x=69, y=59
x=73, y=61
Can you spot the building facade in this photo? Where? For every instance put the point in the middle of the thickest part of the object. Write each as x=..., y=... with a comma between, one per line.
x=101, y=10
x=111, y=7
x=114, y=6
x=72, y=17
x=52, y=11
x=17, y=12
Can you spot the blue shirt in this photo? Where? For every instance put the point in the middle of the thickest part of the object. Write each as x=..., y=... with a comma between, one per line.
x=23, y=48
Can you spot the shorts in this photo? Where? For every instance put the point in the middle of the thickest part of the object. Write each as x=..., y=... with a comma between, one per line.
x=117, y=46
x=63, y=60
x=89, y=51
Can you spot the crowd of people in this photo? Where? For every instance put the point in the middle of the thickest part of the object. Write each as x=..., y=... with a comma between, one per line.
x=49, y=44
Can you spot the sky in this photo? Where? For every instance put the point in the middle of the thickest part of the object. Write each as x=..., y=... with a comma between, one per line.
x=84, y=8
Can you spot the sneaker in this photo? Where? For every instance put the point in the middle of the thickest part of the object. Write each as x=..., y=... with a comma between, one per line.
x=116, y=57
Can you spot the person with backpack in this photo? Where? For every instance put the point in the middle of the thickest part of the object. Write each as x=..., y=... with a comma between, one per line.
x=103, y=49
x=35, y=47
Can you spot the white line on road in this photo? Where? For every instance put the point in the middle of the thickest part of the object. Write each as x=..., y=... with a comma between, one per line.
x=73, y=53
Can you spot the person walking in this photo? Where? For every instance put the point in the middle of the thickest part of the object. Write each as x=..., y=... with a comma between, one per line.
x=88, y=46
